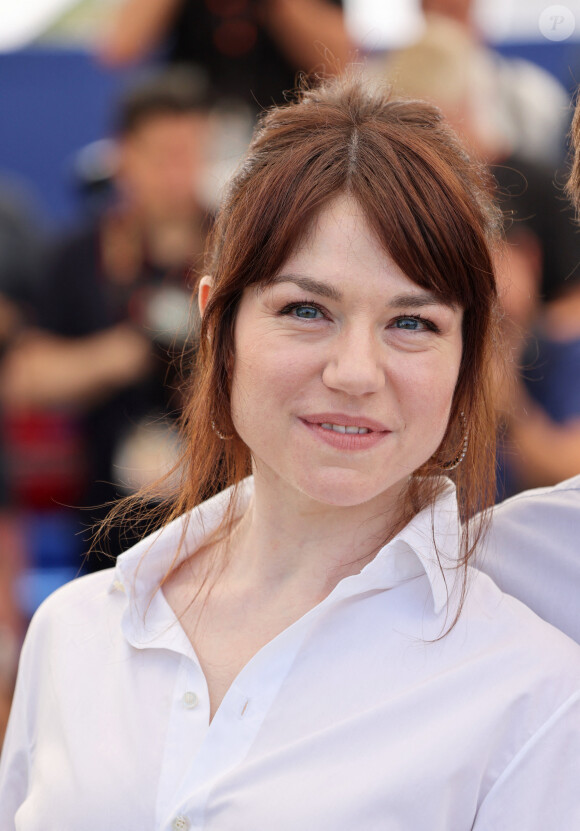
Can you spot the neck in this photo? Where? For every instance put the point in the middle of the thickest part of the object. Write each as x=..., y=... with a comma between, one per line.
x=285, y=538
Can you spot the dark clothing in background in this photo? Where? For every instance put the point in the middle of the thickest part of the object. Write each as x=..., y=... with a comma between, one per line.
x=538, y=203
x=21, y=249
x=235, y=53
x=531, y=193
x=80, y=301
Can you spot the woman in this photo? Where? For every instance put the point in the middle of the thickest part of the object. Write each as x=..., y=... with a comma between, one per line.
x=309, y=649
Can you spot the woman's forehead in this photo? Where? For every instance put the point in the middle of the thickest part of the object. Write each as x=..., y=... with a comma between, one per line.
x=340, y=244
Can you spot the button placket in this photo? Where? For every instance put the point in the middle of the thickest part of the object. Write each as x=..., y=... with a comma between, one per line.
x=237, y=721
x=187, y=728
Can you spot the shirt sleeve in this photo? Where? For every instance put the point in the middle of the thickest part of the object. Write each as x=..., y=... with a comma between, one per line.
x=539, y=787
x=16, y=751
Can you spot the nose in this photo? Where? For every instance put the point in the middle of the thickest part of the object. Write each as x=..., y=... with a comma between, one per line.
x=354, y=364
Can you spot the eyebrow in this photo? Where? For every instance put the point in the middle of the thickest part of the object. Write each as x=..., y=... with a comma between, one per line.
x=409, y=301
x=426, y=298
x=308, y=284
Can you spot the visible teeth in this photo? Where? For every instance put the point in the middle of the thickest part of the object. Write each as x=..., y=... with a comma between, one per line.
x=340, y=428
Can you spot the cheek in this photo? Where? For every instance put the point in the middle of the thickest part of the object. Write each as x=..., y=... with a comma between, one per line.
x=262, y=389
x=255, y=381
x=425, y=390
x=267, y=367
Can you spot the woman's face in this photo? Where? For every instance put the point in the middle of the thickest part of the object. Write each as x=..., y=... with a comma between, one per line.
x=344, y=368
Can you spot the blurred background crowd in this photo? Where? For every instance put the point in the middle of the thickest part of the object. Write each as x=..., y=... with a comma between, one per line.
x=120, y=123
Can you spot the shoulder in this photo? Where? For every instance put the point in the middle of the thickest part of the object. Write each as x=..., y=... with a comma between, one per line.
x=77, y=592
x=487, y=602
x=532, y=552
x=544, y=523
x=76, y=608
x=564, y=493
x=533, y=657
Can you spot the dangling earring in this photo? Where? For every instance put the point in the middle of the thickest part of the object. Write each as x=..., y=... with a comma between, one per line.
x=218, y=434
x=447, y=466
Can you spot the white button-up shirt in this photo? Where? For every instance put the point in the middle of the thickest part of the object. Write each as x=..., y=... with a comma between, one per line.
x=355, y=717
x=533, y=552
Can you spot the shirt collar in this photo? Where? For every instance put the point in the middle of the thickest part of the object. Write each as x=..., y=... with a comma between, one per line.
x=428, y=545
x=434, y=536
x=140, y=570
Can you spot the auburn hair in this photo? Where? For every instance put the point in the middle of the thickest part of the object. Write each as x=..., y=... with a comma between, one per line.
x=429, y=205
x=573, y=184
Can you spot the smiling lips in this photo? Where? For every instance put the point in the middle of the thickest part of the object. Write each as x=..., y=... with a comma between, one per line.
x=346, y=432
x=341, y=428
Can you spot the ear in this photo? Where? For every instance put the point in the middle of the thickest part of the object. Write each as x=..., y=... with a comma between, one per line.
x=204, y=291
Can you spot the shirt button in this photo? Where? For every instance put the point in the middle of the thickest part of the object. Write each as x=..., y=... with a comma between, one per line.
x=180, y=823
x=190, y=700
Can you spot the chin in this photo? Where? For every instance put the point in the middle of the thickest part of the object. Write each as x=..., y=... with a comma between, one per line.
x=347, y=489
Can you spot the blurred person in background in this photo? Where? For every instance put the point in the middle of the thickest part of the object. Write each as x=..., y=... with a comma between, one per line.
x=531, y=106
x=114, y=308
x=248, y=50
x=21, y=246
x=542, y=399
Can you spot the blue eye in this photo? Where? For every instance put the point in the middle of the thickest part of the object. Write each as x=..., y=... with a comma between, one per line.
x=414, y=324
x=303, y=311
x=306, y=312
x=407, y=323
